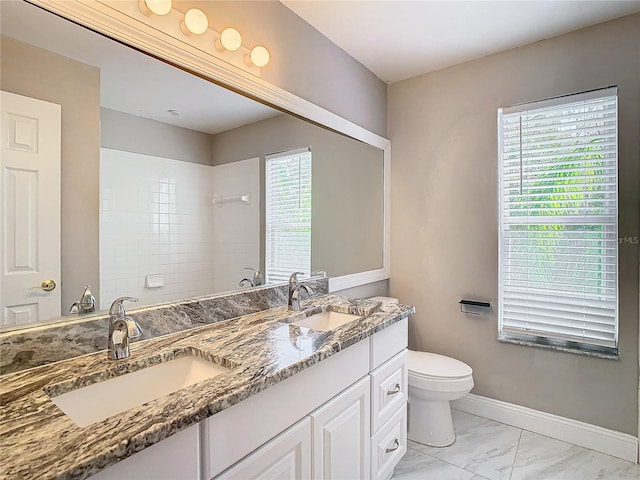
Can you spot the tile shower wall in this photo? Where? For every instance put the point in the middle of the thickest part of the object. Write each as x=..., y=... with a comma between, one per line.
x=155, y=219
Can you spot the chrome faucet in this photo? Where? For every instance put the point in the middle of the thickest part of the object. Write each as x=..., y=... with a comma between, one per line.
x=294, y=291
x=86, y=304
x=121, y=329
x=255, y=281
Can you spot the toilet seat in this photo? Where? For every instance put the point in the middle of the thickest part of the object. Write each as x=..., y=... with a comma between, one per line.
x=434, y=366
x=438, y=373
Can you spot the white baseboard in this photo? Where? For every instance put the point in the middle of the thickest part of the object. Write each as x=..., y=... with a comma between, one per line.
x=596, y=438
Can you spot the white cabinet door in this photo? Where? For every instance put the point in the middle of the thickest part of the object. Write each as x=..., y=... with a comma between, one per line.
x=177, y=457
x=341, y=430
x=286, y=457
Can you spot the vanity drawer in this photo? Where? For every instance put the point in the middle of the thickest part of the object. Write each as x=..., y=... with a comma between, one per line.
x=389, y=390
x=389, y=445
x=386, y=343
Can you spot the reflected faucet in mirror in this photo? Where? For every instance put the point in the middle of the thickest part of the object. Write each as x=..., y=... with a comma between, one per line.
x=255, y=281
x=86, y=304
x=121, y=329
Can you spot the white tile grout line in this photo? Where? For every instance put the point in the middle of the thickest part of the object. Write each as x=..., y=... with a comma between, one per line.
x=544, y=435
x=475, y=473
x=462, y=468
x=515, y=457
x=449, y=463
x=592, y=437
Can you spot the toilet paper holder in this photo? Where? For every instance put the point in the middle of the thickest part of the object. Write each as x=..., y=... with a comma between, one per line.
x=471, y=307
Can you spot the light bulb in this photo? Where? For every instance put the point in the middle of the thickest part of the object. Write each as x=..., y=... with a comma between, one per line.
x=195, y=22
x=157, y=7
x=259, y=56
x=230, y=39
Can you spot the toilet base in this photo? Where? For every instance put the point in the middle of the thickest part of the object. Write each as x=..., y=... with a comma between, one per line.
x=430, y=422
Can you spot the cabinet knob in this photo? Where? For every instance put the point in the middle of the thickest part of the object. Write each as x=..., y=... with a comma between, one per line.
x=395, y=390
x=396, y=445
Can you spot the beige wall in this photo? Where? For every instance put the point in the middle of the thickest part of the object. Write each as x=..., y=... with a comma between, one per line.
x=347, y=193
x=38, y=73
x=303, y=61
x=444, y=217
x=122, y=131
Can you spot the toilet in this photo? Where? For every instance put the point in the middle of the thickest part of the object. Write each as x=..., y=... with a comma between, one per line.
x=435, y=380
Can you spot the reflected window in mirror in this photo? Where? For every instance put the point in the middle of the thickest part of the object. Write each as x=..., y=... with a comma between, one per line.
x=288, y=214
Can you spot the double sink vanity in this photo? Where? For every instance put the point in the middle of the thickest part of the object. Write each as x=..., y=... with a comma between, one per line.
x=315, y=393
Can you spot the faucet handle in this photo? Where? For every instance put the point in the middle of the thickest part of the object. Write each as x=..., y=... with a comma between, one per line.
x=75, y=307
x=134, y=330
x=117, y=307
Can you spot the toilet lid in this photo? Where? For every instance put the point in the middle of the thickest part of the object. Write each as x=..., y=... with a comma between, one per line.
x=424, y=364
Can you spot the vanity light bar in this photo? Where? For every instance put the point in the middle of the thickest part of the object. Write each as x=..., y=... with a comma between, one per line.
x=195, y=23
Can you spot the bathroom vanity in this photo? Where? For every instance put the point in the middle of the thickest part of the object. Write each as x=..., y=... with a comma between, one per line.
x=281, y=397
x=286, y=398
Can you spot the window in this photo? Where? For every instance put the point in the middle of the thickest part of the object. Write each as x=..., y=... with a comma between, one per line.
x=288, y=214
x=558, y=222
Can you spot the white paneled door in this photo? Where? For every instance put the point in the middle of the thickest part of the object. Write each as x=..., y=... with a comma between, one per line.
x=29, y=210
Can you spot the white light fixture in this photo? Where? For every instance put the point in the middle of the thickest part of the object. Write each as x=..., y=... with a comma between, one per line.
x=195, y=22
x=230, y=39
x=259, y=56
x=154, y=7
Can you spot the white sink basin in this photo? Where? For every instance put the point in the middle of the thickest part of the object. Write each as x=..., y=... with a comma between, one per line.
x=101, y=400
x=325, y=321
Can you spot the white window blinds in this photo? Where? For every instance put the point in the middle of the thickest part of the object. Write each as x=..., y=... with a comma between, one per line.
x=288, y=214
x=558, y=220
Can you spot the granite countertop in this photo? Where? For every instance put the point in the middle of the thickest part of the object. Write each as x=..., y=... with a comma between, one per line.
x=38, y=441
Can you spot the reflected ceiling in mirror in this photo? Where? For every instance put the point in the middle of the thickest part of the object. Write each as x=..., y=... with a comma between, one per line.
x=146, y=147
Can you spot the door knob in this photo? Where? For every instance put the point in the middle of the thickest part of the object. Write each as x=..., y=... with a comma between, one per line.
x=46, y=286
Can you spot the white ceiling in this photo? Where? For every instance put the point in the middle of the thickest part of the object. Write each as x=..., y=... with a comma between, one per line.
x=397, y=40
x=132, y=82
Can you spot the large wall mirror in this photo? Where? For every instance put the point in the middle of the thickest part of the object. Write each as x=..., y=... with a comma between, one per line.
x=169, y=185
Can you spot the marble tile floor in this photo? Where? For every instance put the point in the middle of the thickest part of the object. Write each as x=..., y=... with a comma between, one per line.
x=488, y=450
